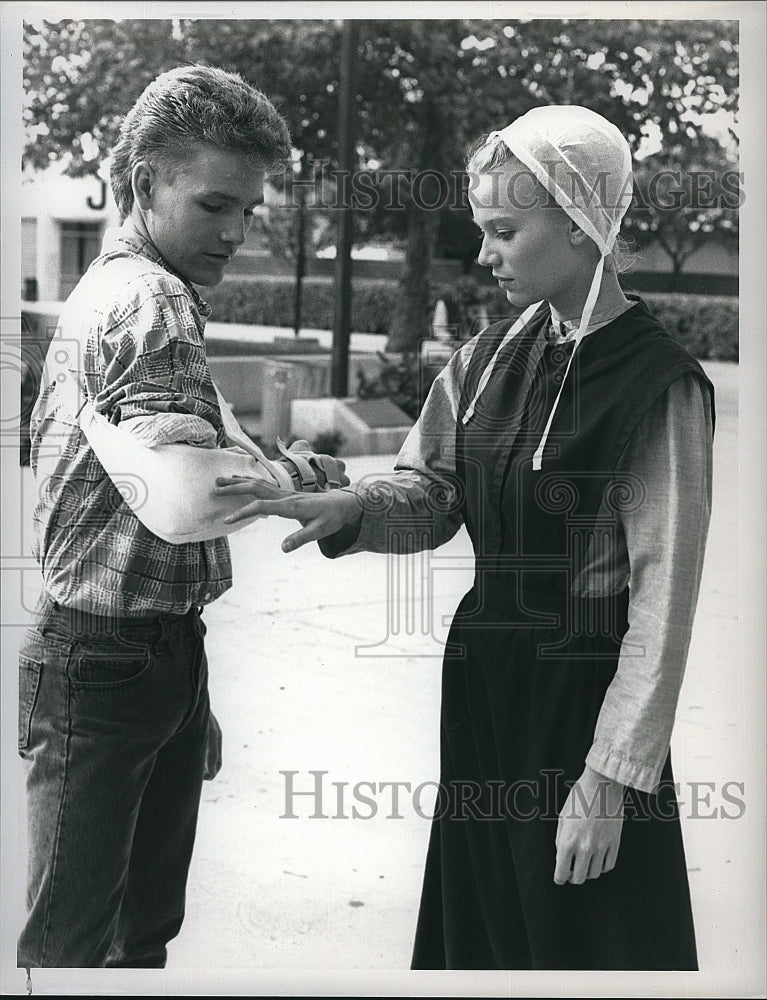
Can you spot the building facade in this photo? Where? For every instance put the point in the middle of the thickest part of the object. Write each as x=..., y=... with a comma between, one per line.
x=62, y=224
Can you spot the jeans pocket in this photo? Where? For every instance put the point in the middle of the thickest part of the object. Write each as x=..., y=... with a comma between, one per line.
x=29, y=684
x=90, y=669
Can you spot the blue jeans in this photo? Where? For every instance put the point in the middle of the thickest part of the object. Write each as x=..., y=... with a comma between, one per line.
x=113, y=724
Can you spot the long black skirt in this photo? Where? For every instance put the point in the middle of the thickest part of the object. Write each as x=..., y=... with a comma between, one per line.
x=519, y=707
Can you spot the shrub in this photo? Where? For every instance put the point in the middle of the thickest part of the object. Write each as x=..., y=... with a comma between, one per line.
x=269, y=301
x=707, y=325
x=399, y=379
x=469, y=300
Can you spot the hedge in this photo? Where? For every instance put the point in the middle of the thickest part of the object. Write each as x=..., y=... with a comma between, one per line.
x=707, y=325
x=270, y=302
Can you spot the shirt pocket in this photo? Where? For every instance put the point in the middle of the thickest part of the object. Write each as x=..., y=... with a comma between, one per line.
x=29, y=684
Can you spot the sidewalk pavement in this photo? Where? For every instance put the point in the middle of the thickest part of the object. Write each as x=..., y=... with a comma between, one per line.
x=326, y=674
x=251, y=334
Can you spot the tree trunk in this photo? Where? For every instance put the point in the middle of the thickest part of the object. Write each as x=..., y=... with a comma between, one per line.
x=411, y=322
x=678, y=254
x=677, y=263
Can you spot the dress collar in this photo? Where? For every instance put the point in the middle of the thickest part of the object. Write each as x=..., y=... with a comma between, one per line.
x=562, y=333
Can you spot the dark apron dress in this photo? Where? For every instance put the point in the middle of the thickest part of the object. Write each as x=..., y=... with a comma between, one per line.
x=527, y=666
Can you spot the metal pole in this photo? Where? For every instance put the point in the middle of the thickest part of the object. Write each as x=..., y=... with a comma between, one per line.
x=339, y=383
x=300, y=259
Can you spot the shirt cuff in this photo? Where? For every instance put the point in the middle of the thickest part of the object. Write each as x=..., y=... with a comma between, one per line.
x=615, y=765
x=338, y=544
x=341, y=541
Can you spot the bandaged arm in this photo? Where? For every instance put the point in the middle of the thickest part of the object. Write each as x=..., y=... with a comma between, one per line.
x=176, y=501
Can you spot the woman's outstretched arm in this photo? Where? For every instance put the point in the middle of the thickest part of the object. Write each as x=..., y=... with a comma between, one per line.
x=366, y=516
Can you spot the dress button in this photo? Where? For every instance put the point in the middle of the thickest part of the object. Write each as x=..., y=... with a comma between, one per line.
x=206, y=597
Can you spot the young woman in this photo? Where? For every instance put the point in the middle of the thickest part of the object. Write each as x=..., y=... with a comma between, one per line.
x=575, y=445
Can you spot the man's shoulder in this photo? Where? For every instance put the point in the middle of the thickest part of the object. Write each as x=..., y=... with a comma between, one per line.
x=122, y=283
x=128, y=276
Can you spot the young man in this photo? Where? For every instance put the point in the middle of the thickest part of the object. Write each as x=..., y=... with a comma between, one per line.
x=114, y=724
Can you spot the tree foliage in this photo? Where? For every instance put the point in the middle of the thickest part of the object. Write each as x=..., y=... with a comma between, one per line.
x=425, y=89
x=685, y=195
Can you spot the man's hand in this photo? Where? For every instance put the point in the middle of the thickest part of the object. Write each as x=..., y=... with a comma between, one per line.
x=213, y=750
x=320, y=514
x=589, y=829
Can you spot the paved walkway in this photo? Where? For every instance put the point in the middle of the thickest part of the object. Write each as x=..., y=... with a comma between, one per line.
x=249, y=334
x=315, y=681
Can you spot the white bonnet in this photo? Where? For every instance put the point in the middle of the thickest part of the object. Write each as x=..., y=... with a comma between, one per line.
x=582, y=160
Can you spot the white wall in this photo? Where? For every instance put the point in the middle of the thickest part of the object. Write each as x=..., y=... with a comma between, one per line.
x=48, y=199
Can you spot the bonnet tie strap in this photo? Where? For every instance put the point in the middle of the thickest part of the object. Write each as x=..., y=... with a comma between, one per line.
x=519, y=324
x=585, y=317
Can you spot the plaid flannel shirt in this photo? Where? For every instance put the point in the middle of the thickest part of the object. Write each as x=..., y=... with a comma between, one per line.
x=131, y=323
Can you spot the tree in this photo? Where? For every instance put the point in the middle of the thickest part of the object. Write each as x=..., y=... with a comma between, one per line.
x=686, y=196
x=76, y=91
x=425, y=90
x=464, y=78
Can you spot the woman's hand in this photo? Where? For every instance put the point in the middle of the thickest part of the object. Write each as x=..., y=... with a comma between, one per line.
x=320, y=514
x=589, y=830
